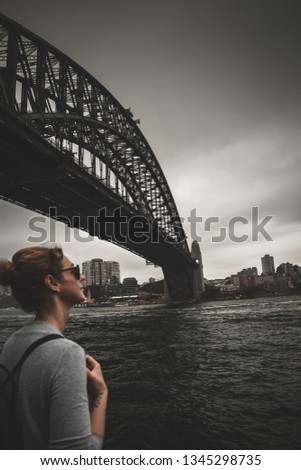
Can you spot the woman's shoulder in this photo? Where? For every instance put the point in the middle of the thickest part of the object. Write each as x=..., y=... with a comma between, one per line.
x=52, y=350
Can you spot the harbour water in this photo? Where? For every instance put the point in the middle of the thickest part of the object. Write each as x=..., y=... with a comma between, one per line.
x=215, y=375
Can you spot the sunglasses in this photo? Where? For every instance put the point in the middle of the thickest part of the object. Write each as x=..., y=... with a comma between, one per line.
x=75, y=270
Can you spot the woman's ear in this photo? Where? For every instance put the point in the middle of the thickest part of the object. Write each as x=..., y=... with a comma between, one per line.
x=52, y=283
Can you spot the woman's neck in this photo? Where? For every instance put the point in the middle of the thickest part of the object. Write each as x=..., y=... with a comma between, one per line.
x=56, y=315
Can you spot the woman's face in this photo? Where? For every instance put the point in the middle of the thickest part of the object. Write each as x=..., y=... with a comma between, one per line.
x=72, y=290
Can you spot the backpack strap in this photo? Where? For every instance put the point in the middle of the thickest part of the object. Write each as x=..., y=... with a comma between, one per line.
x=29, y=350
x=10, y=377
x=32, y=347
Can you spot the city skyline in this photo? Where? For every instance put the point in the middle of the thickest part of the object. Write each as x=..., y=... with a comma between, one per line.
x=244, y=267
x=217, y=89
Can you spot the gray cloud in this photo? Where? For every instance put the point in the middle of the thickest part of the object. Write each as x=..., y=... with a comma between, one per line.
x=217, y=87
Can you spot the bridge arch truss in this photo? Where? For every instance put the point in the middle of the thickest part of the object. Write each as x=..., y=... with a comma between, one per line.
x=71, y=110
x=58, y=110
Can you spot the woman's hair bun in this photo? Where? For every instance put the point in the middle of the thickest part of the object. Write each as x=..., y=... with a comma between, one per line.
x=6, y=272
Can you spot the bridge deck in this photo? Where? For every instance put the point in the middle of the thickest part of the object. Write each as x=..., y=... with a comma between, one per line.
x=37, y=176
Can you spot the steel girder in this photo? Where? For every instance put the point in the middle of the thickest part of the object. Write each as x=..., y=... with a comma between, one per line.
x=69, y=109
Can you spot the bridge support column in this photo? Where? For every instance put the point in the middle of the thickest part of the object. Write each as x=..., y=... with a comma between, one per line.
x=198, y=274
x=185, y=283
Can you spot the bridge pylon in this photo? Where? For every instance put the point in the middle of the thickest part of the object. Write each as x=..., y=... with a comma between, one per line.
x=198, y=273
x=186, y=282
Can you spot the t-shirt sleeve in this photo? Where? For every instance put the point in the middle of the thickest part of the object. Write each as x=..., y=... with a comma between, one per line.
x=69, y=420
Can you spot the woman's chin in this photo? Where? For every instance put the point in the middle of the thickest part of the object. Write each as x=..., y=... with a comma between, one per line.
x=81, y=298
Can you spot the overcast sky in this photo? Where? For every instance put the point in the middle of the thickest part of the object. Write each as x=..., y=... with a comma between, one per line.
x=216, y=84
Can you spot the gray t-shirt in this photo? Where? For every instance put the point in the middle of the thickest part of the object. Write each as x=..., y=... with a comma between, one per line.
x=52, y=400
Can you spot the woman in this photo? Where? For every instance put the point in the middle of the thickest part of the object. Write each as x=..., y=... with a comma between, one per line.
x=62, y=396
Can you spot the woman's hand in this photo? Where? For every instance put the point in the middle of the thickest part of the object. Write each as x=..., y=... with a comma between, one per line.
x=95, y=382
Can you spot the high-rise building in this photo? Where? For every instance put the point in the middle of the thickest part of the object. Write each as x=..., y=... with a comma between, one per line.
x=104, y=274
x=86, y=273
x=92, y=272
x=110, y=272
x=268, y=266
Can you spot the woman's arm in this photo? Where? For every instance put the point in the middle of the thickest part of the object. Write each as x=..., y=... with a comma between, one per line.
x=70, y=420
x=98, y=396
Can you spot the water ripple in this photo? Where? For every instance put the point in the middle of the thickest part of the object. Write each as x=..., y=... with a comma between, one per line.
x=217, y=375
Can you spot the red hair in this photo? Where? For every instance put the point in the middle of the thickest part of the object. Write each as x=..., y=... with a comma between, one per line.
x=25, y=274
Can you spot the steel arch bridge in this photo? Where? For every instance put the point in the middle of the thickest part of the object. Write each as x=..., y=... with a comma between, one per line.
x=69, y=145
